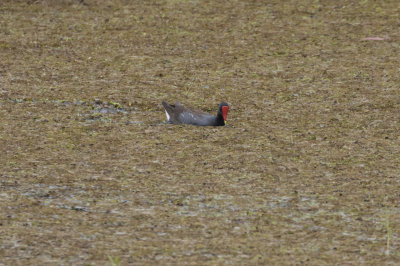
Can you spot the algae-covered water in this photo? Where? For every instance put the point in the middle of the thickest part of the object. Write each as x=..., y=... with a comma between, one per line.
x=306, y=171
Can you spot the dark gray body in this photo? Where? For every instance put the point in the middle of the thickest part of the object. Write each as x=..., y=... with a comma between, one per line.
x=178, y=114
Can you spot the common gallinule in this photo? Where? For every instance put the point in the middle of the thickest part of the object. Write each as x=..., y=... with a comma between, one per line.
x=177, y=114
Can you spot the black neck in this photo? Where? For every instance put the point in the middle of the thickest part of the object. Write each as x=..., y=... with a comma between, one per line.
x=219, y=119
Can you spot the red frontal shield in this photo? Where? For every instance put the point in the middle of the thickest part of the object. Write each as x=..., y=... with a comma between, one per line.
x=225, y=110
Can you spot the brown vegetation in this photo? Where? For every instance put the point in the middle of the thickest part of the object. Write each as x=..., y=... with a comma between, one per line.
x=306, y=171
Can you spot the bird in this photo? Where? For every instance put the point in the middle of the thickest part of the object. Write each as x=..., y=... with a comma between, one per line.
x=178, y=114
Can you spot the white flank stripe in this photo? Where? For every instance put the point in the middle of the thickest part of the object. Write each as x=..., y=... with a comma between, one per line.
x=167, y=115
